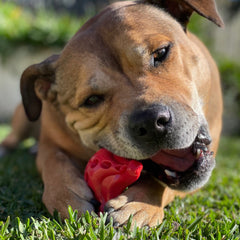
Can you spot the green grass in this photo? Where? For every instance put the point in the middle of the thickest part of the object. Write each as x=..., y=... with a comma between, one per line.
x=212, y=213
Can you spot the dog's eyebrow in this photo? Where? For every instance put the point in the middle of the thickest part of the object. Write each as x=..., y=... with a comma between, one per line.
x=98, y=82
x=140, y=50
x=92, y=82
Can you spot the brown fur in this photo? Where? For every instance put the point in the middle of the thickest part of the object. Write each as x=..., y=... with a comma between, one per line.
x=110, y=55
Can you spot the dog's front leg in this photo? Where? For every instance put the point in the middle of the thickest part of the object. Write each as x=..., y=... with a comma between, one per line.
x=145, y=201
x=64, y=184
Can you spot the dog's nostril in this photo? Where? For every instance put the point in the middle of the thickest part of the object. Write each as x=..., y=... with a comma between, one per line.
x=163, y=119
x=142, y=131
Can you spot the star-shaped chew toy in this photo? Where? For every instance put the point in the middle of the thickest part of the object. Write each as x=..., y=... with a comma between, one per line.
x=109, y=175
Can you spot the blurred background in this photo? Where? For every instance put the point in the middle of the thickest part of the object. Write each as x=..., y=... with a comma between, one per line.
x=30, y=31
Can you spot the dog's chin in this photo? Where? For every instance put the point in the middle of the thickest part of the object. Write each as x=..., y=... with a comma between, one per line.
x=183, y=169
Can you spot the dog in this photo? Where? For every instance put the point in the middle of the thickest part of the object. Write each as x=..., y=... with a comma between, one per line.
x=135, y=81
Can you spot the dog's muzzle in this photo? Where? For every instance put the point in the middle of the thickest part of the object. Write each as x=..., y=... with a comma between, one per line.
x=178, y=147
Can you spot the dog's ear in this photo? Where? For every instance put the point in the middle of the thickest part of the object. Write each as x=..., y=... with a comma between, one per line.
x=182, y=9
x=35, y=85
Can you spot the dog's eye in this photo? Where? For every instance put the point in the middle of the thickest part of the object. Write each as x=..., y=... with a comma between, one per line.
x=160, y=55
x=93, y=100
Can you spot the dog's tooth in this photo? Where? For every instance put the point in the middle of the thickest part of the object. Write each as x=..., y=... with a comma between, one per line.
x=198, y=154
x=205, y=149
x=201, y=136
x=170, y=173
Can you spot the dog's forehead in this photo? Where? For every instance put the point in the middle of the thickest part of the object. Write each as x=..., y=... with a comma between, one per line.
x=129, y=22
x=122, y=27
x=124, y=33
x=136, y=22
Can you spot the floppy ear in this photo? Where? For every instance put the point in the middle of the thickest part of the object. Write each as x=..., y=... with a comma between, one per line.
x=182, y=9
x=38, y=76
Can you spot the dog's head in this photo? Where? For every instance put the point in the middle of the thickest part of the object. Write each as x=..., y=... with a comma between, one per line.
x=133, y=80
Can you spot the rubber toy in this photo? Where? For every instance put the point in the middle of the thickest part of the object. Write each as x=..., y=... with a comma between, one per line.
x=109, y=175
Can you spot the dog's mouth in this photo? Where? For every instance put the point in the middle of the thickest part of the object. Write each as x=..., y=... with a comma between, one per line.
x=183, y=169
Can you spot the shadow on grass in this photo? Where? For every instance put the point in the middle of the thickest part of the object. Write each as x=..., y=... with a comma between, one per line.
x=20, y=186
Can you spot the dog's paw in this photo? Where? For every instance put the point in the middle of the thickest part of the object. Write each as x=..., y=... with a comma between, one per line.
x=76, y=195
x=142, y=211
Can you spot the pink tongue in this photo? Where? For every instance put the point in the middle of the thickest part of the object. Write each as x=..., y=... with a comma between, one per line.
x=176, y=160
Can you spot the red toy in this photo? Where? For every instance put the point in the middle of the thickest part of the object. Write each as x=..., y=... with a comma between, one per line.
x=108, y=175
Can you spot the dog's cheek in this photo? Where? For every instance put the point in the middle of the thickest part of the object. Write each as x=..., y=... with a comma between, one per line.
x=86, y=129
x=70, y=120
x=89, y=140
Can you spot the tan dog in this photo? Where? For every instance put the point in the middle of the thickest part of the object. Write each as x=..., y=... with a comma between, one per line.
x=132, y=80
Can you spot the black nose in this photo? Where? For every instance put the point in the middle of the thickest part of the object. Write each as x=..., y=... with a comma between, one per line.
x=150, y=124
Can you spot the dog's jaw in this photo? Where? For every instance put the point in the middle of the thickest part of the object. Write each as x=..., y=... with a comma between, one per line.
x=184, y=169
x=187, y=169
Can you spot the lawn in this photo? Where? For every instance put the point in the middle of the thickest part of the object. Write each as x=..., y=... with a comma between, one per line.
x=212, y=213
